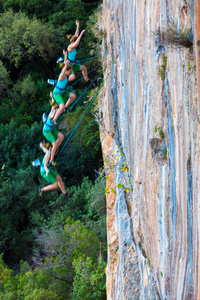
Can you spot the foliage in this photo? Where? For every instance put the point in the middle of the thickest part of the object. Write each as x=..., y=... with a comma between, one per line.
x=164, y=152
x=32, y=36
x=96, y=212
x=89, y=282
x=119, y=163
x=18, y=201
x=35, y=39
x=162, y=68
x=4, y=80
x=160, y=132
x=83, y=152
x=87, y=203
x=25, y=285
x=18, y=146
x=70, y=253
x=62, y=247
x=22, y=204
x=174, y=37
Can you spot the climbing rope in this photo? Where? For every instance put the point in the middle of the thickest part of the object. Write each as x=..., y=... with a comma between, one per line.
x=83, y=76
x=52, y=81
x=82, y=95
x=73, y=131
x=78, y=61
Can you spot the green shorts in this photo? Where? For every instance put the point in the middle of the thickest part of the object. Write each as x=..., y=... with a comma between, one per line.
x=59, y=97
x=51, y=135
x=51, y=177
x=76, y=67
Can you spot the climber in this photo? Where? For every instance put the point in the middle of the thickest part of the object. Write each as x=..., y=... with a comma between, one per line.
x=50, y=175
x=50, y=132
x=75, y=40
x=60, y=89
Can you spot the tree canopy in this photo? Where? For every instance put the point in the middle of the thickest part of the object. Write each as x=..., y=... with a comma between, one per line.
x=59, y=240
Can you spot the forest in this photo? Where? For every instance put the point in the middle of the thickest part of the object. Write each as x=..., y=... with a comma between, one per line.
x=50, y=247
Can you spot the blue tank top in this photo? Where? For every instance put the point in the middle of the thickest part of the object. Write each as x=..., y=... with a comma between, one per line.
x=48, y=125
x=42, y=169
x=60, y=86
x=72, y=55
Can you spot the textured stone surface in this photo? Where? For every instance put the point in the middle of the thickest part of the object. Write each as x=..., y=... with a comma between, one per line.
x=153, y=228
x=197, y=41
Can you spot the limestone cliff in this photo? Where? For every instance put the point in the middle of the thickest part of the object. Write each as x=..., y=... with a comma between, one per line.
x=150, y=140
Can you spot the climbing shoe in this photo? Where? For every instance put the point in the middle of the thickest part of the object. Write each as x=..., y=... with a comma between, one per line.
x=40, y=192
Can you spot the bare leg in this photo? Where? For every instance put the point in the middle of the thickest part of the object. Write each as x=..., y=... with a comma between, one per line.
x=50, y=187
x=56, y=144
x=59, y=111
x=72, y=97
x=72, y=77
x=84, y=72
x=60, y=184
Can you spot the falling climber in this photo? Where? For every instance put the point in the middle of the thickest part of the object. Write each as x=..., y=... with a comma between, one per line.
x=48, y=173
x=52, y=135
x=71, y=50
x=60, y=89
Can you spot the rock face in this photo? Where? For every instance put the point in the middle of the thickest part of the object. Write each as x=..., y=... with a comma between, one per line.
x=150, y=139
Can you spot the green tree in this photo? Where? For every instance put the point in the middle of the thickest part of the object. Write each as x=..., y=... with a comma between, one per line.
x=62, y=247
x=28, y=51
x=14, y=4
x=86, y=203
x=90, y=279
x=39, y=8
x=23, y=40
x=25, y=285
x=4, y=80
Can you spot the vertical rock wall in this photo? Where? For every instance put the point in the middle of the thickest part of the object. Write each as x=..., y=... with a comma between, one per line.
x=150, y=141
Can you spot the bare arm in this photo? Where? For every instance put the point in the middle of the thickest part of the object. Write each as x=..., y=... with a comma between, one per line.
x=76, y=43
x=77, y=28
x=45, y=150
x=63, y=75
x=52, y=113
x=65, y=55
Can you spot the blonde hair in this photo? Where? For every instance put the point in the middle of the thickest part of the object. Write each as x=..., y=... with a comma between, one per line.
x=53, y=102
x=47, y=145
x=73, y=38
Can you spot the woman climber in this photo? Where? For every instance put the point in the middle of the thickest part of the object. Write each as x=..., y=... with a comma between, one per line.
x=75, y=40
x=50, y=132
x=60, y=89
x=50, y=175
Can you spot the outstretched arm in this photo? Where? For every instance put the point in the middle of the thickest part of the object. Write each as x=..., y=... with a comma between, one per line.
x=62, y=75
x=45, y=150
x=76, y=43
x=77, y=28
